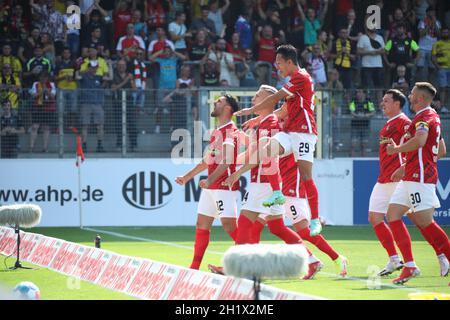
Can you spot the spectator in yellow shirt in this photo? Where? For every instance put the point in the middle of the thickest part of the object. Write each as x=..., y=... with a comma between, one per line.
x=8, y=58
x=10, y=87
x=441, y=59
x=102, y=69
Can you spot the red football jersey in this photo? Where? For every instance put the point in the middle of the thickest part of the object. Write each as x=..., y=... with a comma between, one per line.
x=290, y=177
x=226, y=134
x=395, y=129
x=421, y=165
x=268, y=127
x=300, y=104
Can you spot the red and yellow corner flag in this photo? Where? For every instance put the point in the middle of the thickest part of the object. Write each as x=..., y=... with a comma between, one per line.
x=80, y=153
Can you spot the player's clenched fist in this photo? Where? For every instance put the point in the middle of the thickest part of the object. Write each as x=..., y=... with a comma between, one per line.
x=231, y=180
x=204, y=184
x=390, y=148
x=181, y=180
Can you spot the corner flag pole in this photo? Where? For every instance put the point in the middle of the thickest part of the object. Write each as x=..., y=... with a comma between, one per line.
x=80, y=159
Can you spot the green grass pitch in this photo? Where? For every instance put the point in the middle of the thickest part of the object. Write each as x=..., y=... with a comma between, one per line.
x=357, y=243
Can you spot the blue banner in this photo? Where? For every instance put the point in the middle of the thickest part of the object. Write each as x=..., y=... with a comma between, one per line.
x=365, y=174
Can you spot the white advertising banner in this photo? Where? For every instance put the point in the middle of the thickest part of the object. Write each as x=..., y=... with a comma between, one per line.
x=140, y=192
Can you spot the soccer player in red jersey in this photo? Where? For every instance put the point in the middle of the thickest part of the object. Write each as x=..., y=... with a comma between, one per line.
x=417, y=190
x=297, y=210
x=300, y=133
x=217, y=200
x=395, y=128
x=263, y=169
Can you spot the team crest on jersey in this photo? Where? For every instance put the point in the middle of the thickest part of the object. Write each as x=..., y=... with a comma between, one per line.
x=304, y=127
x=264, y=132
x=384, y=140
x=291, y=190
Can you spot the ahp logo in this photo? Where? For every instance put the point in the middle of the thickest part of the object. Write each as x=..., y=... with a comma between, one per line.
x=147, y=190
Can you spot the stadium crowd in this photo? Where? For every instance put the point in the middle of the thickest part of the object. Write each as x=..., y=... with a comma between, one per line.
x=172, y=45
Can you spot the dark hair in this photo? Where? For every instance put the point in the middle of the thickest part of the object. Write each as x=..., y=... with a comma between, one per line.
x=231, y=101
x=288, y=52
x=397, y=95
x=204, y=7
x=179, y=13
x=427, y=87
x=430, y=8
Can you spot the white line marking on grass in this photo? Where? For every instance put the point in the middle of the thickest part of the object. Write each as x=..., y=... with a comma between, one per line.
x=327, y=274
x=125, y=236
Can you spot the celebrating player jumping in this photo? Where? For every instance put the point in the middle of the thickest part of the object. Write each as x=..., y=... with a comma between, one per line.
x=300, y=133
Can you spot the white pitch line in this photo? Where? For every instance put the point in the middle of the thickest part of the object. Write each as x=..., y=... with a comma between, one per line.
x=327, y=274
x=125, y=236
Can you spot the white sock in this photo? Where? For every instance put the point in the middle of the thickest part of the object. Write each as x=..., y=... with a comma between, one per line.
x=411, y=264
x=395, y=258
x=312, y=259
x=441, y=256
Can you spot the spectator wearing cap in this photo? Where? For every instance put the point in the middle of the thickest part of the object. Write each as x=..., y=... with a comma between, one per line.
x=178, y=32
x=43, y=112
x=127, y=45
x=10, y=87
x=35, y=66
x=12, y=61
x=225, y=60
x=10, y=128
x=101, y=68
x=362, y=109
x=65, y=81
x=159, y=43
x=92, y=100
x=209, y=72
x=206, y=24
x=216, y=15
x=401, y=50
x=96, y=41
x=244, y=29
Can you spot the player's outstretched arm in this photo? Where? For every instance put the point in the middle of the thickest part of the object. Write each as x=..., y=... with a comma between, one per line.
x=418, y=141
x=282, y=112
x=182, y=180
x=270, y=101
x=442, y=148
x=228, y=151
